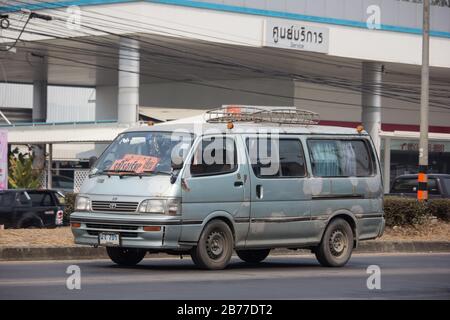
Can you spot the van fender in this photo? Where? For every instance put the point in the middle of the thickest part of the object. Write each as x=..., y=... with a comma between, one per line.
x=350, y=218
x=222, y=215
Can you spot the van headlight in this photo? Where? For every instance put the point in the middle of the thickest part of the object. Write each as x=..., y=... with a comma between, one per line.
x=171, y=206
x=82, y=204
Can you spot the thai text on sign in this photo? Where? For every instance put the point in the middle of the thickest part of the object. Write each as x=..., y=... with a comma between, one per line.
x=135, y=163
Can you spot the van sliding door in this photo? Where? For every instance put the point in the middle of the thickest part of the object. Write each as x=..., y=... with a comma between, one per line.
x=216, y=183
x=280, y=209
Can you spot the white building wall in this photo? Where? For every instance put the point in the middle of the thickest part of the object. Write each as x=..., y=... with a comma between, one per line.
x=185, y=95
x=242, y=29
x=344, y=105
x=14, y=95
x=106, y=103
x=67, y=104
x=64, y=103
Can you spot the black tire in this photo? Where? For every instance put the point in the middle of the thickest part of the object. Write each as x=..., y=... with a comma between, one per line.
x=215, y=246
x=253, y=256
x=125, y=256
x=336, y=246
x=31, y=223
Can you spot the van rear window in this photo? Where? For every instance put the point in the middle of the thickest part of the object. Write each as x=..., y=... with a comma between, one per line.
x=340, y=158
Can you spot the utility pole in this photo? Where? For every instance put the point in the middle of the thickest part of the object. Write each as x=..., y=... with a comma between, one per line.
x=422, y=190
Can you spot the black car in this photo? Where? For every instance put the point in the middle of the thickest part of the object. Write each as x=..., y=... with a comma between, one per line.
x=406, y=185
x=31, y=208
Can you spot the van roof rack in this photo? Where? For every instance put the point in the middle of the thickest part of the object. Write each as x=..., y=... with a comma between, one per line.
x=279, y=115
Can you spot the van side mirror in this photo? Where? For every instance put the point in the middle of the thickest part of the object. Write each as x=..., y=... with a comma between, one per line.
x=92, y=161
x=177, y=165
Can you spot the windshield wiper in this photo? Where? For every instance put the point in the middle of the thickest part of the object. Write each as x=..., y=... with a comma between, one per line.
x=120, y=173
x=157, y=172
x=123, y=173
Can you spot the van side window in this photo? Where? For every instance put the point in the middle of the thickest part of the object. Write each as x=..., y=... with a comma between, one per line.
x=340, y=158
x=214, y=155
x=289, y=162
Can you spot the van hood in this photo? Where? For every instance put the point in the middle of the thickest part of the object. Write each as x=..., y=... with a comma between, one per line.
x=147, y=186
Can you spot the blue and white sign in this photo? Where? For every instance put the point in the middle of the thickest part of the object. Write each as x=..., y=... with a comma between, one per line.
x=296, y=36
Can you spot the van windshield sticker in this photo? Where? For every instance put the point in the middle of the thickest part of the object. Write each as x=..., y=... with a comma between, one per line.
x=135, y=163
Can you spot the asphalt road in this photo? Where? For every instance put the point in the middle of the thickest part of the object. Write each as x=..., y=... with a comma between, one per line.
x=403, y=276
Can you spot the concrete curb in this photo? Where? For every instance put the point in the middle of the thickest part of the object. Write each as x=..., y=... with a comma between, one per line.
x=81, y=252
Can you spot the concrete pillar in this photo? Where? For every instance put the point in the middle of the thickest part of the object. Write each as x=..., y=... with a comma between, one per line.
x=371, y=100
x=39, y=101
x=387, y=165
x=128, y=89
x=40, y=75
x=49, y=166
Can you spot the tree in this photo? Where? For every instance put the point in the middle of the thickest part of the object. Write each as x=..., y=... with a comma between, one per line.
x=21, y=173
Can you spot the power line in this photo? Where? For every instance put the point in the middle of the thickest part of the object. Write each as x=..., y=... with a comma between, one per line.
x=343, y=83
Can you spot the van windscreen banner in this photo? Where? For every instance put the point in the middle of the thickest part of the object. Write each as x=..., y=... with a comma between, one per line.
x=135, y=163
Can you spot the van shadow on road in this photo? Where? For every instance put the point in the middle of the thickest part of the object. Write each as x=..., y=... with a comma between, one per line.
x=275, y=263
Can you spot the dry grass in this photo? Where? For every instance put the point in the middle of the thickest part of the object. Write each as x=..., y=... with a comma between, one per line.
x=61, y=237
x=438, y=231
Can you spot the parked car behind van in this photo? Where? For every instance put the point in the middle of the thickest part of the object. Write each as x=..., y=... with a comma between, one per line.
x=182, y=189
x=406, y=186
x=21, y=208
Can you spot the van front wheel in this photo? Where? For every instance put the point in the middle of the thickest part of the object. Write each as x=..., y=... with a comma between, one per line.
x=214, y=247
x=253, y=256
x=125, y=256
x=337, y=244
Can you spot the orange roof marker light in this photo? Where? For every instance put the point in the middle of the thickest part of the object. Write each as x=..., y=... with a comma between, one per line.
x=360, y=129
x=233, y=109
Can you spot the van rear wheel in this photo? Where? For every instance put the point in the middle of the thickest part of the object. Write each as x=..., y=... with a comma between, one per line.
x=125, y=256
x=253, y=256
x=337, y=244
x=215, y=246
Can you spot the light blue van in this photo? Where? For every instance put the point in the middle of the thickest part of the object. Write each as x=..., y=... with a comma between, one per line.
x=245, y=181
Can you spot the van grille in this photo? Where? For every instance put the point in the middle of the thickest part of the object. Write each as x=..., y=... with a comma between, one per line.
x=108, y=206
x=122, y=234
x=112, y=227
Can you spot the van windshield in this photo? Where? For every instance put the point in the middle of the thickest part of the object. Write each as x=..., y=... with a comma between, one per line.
x=139, y=153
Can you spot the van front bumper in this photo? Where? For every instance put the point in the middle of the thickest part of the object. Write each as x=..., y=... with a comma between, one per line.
x=130, y=228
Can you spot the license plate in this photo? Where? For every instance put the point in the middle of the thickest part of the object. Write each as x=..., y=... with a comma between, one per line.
x=109, y=239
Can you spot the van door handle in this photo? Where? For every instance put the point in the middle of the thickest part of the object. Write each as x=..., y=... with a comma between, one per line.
x=259, y=191
x=238, y=183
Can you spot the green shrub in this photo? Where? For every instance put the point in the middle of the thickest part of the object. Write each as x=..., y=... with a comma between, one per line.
x=70, y=205
x=440, y=208
x=400, y=211
x=21, y=173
